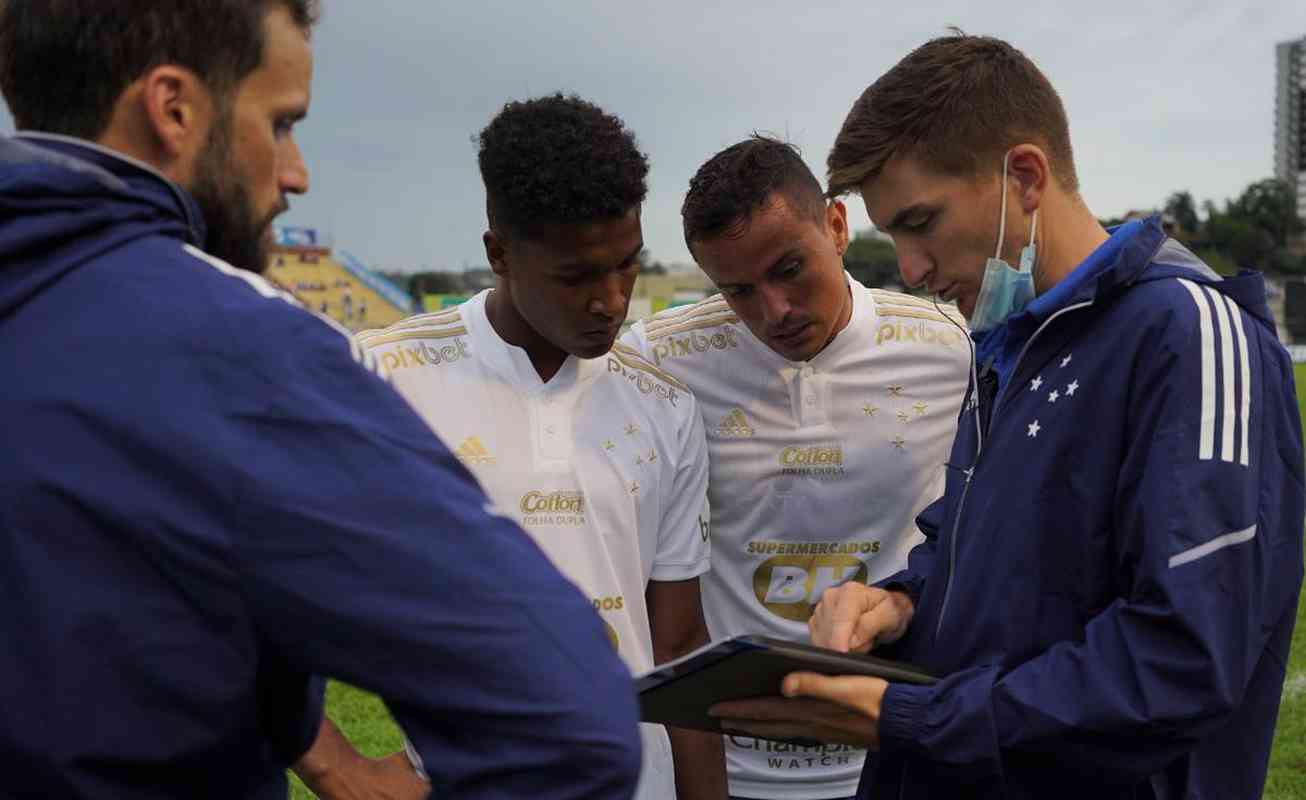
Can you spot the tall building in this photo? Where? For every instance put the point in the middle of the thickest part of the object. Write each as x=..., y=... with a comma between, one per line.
x=1290, y=118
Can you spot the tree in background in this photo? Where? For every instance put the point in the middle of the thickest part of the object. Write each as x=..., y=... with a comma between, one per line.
x=873, y=261
x=1271, y=206
x=1183, y=211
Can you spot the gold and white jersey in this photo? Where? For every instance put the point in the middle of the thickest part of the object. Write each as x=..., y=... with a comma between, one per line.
x=605, y=465
x=818, y=470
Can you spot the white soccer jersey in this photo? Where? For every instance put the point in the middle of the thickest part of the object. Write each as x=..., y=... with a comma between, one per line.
x=818, y=470
x=605, y=465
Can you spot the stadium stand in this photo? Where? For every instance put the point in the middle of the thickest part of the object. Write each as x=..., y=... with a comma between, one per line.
x=333, y=282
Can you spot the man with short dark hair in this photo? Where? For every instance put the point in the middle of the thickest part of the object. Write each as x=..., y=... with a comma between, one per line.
x=596, y=452
x=205, y=497
x=829, y=409
x=1108, y=587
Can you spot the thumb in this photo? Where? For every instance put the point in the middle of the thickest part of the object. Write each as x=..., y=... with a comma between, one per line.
x=856, y=692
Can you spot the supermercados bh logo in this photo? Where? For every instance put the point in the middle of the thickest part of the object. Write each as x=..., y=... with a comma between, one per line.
x=790, y=582
x=813, y=461
x=916, y=332
x=677, y=346
x=610, y=604
x=423, y=355
x=555, y=508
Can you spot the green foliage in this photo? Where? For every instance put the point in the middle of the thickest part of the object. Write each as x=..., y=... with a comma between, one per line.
x=872, y=261
x=1250, y=232
x=1241, y=239
x=1217, y=261
x=1270, y=206
x=1183, y=210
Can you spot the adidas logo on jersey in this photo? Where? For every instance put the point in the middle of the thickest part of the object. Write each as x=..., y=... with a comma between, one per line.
x=473, y=451
x=736, y=424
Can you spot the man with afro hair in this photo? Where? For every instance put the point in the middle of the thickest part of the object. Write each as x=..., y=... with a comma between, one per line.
x=597, y=453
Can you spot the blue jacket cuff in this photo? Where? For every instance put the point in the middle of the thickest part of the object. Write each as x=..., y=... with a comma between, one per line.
x=902, y=716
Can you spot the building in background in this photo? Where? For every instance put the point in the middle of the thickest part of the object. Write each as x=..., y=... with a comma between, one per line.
x=1290, y=118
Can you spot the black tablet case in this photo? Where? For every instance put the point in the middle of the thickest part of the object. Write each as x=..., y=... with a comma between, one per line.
x=680, y=692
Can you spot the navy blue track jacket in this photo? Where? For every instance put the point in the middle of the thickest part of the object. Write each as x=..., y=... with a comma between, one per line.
x=205, y=499
x=1111, y=579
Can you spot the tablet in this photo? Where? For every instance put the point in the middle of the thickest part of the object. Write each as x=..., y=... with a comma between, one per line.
x=680, y=692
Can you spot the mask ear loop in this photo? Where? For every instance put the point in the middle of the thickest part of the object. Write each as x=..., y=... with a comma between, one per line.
x=1002, y=221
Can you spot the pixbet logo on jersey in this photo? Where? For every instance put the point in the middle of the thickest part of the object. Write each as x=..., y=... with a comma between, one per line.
x=424, y=355
x=676, y=346
x=790, y=584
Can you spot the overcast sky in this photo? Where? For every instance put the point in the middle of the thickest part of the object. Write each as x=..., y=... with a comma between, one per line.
x=1161, y=95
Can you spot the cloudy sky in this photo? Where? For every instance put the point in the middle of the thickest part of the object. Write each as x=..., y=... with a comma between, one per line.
x=1162, y=95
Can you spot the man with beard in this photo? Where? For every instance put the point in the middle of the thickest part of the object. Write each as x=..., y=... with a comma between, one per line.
x=206, y=497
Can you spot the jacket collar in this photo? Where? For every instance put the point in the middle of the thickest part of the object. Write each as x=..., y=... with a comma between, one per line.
x=118, y=173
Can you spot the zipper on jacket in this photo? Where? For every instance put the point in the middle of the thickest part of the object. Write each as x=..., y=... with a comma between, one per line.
x=983, y=422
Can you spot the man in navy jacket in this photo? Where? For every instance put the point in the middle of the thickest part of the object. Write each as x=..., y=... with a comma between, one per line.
x=206, y=497
x=1109, y=585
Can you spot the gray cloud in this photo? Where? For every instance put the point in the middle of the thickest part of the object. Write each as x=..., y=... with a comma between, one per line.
x=1161, y=96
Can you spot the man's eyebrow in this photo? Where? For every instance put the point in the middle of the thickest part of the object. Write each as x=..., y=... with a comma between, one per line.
x=589, y=266
x=901, y=217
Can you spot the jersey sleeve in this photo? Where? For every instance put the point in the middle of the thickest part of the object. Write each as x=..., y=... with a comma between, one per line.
x=684, y=534
x=369, y=554
x=637, y=339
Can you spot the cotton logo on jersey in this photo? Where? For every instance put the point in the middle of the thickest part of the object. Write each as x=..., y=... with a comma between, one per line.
x=555, y=508
x=818, y=461
x=791, y=586
x=736, y=425
x=473, y=451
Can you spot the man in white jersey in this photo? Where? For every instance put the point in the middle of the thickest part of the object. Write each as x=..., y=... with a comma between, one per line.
x=829, y=410
x=597, y=453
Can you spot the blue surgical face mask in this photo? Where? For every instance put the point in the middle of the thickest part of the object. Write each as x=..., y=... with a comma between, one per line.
x=1004, y=290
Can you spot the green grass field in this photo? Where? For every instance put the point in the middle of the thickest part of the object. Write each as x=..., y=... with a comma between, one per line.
x=364, y=719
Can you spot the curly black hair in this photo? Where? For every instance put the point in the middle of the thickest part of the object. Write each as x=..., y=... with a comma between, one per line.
x=739, y=180
x=558, y=160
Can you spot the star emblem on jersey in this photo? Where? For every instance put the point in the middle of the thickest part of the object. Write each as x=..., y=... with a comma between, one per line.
x=1065, y=362
x=904, y=417
x=634, y=488
x=609, y=445
x=652, y=456
x=870, y=410
x=1036, y=384
x=1055, y=396
x=1072, y=388
x=1034, y=428
x=899, y=443
x=920, y=409
x=895, y=391
x=632, y=429
x=735, y=425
